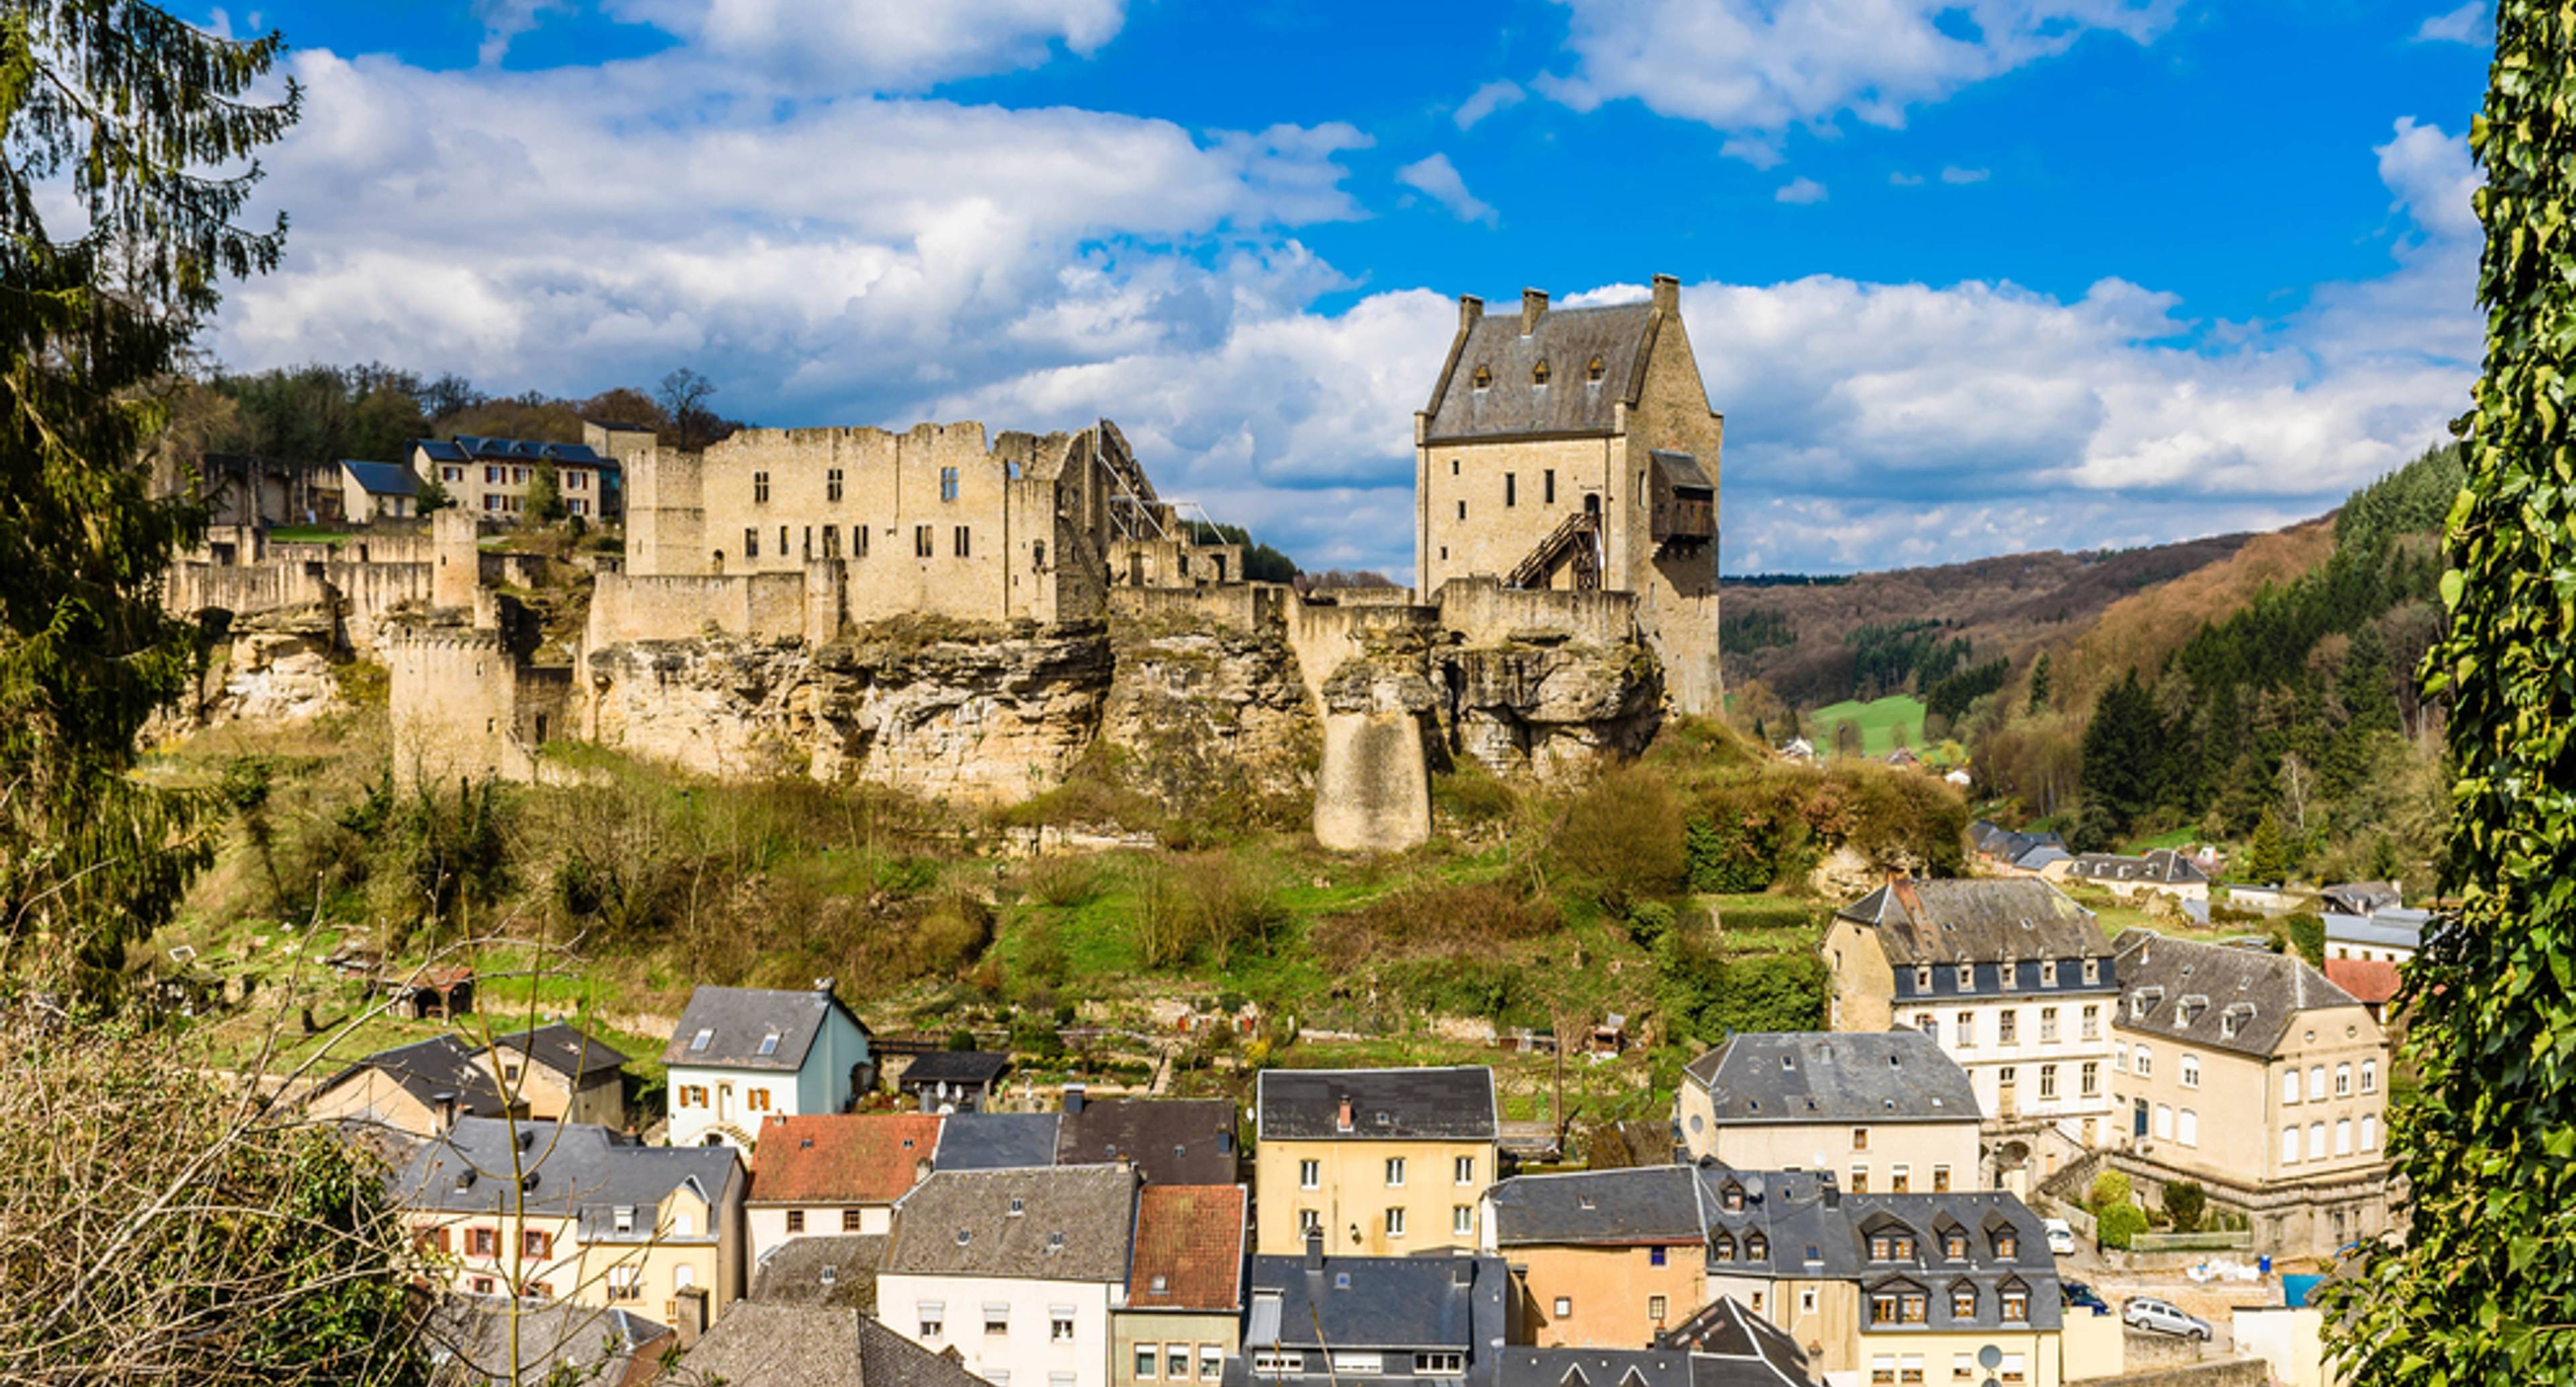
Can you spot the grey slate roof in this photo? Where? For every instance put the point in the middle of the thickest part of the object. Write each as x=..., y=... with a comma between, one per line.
x=564, y=1049
x=738, y=1019
x=1641, y=1204
x=983, y=1067
x=1763, y=1078
x=2038, y=857
x=439, y=449
x=2362, y=897
x=1386, y=1104
x=1811, y=1231
x=1682, y=469
x=581, y=1170
x=432, y=1071
x=2189, y=991
x=469, y=1341
x=1384, y=1304
x=1173, y=1141
x=1976, y=921
x=838, y=1270
x=995, y=1141
x=757, y=1345
x=383, y=478
x=2163, y=866
x=1755, y=1349
x=1074, y=1223
x=2389, y=929
x=1567, y=339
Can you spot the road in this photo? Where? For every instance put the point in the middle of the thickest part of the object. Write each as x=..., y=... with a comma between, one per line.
x=2212, y=1301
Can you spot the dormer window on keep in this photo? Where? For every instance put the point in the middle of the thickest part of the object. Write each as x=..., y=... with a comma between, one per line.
x=1538, y=373
x=1594, y=370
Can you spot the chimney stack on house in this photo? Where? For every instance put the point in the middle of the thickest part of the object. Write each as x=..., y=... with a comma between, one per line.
x=1533, y=307
x=1314, y=1249
x=1342, y=1119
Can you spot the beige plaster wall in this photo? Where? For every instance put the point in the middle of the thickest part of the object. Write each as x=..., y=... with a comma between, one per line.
x=1352, y=1191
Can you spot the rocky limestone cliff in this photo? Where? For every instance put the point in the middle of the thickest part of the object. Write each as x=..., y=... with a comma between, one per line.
x=1553, y=712
x=984, y=717
x=1210, y=708
x=272, y=667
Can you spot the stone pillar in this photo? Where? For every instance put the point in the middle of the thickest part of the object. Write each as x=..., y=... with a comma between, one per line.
x=457, y=563
x=1373, y=790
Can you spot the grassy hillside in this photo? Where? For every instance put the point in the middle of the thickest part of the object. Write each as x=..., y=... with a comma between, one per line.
x=1885, y=724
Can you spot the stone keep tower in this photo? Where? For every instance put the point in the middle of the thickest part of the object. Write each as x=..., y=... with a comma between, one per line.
x=1574, y=448
x=456, y=558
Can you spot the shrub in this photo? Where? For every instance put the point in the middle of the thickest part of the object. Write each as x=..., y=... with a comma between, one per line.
x=1062, y=882
x=1737, y=851
x=2109, y=1188
x=961, y=1040
x=1621, y=840
x=1649, y=921
x=1452, y=919
x=1472, y=795
x=1204, y=904
x=2185, y=1202
x=2120, y=1224
x=2308, y=936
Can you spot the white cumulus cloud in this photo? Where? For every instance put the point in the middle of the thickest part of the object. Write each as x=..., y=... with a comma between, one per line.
x=2471, y=23
x=1800, y=190
x=877, y=45
x=1487, y=99
x=1959, y=176
x=1436, y=178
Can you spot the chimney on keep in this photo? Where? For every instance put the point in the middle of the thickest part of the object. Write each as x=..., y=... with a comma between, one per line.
x=1533, y=307
x=1470, y=310
x=1668, y=293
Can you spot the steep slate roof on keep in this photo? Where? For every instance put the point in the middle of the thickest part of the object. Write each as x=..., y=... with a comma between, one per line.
x=1977, y=921
x=1386, y=1104
x=1634, y=1206
x=1566, y=339
x=1174, y=1141
x=2263, y=989
x=842, y=1158
x=996, y=1141
x=383, y=478
x=563, y=1049
x=1834, y=1077
x=1074, y=1223
x=738, y=1019
x=1189, y=1248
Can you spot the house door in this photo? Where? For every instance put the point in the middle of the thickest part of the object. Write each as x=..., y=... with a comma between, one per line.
x=724, y=1102
x=2138, y=1118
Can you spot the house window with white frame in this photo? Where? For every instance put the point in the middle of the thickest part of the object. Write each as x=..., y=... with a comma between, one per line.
x=1463, y=1170
x=1149, y=1360
x=1395, y=1172
x=2191, y=1071
x=2370, y=1076
x=1395, y=1222
x=1310, y=1175
x=2187, y=1127
x=2048, y=1025
x=1462, y=1220
x=932, y=1317
x=1060, y=1324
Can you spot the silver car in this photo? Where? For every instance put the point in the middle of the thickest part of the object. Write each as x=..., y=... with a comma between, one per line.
x=2164, y=1317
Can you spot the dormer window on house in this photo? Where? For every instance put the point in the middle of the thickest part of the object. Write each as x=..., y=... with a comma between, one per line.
x=1923, y=977
x=1733, y=1198
x=1721, y=1248
x=1484, y=377
x=2007, y=1244
x=2015, y=1300
x=700, y=1041
x=1891, y=1246
x=1963, y=1301
x=2048, y=972
x=1967, y=977
x=1954, y=1245
x=2011, y=974
x=2092, y=970
x=1538, y=373
x=1593, y=370
x=1757, y=1248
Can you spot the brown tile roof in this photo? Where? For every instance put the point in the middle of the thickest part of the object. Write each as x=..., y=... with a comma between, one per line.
x=2371, y=981
x=862, y=1158
x=1189, y=1248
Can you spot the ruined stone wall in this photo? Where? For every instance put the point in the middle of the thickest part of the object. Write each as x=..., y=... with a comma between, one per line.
x=1173, y=563
x=454, y=708
x=361, y=598
x=1481, y=611
x=665, y=607
x=1483, y=504
x=665, y=512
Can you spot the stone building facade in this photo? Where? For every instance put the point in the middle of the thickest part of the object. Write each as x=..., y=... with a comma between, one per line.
x=1574, y=448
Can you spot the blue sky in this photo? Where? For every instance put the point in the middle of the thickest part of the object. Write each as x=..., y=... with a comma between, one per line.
x=1964, y=280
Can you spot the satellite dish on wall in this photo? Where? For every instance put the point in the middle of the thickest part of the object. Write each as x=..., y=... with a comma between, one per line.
x=1990, y=1358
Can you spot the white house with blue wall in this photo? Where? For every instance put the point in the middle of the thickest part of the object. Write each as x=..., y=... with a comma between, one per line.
x=741, y=1055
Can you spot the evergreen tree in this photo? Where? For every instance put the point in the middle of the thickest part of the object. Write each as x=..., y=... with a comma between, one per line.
x=2039, y=677
x=432, y=496
x=2121, y=745
x=116, y=108
x=2481, y=1288
x=545, y=494
x=2267, y=858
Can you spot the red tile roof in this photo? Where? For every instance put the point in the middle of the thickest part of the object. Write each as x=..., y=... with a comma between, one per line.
x=2371, y=981
x=1189, y=1248
x=852, y=1158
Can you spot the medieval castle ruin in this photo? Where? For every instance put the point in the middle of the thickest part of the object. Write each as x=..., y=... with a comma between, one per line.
x=966, y=615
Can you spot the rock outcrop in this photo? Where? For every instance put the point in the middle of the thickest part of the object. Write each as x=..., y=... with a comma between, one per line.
x=1208, y=709
x=1551, y=711
x=271, y=667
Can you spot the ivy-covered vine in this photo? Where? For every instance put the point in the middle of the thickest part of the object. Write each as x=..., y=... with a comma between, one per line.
x=2484, y=1288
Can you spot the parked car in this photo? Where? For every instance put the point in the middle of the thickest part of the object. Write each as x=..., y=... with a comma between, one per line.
x=2078, y=1293
x=2164, y=1317
x=2061, y=1236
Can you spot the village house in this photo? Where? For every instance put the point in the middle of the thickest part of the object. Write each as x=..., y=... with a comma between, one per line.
x=2017, y=983
x=1014, y=1270
x=997, y=1140
x=419, y=1089
x=378, y=491
x=2161, y=872
x=768, y=1345
x=1574, y=448
x=558, y=1073
x=549, y=1211
x=834, y=1173
x=1386, y=1162
x=248, y=492
x=1170, y=1141
x=491, y=477
x=2363, y=898
x=2374, y=983
x=945, y=1081
x=2393, y=934
x=1184, y=1308
x=1606, y=1258
x=2011, y=851
x=1319, y=1321
x=1885, y=1110
x=741, y=1054
x=1725, y=1345
x=486, y=1341
x=836, y=1269
x=2249, y=1073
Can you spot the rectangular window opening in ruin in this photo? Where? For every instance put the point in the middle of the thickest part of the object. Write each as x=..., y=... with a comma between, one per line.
x=1511, y=488
x=948, y=484
x=1550, y=498
x=832, y=485
x=965, y=546
x=760, y=488
x=750, y=543
x=921, y=541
